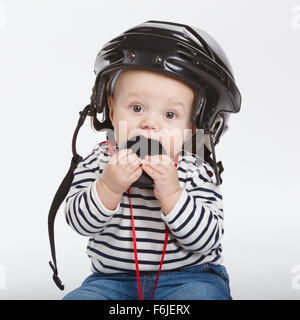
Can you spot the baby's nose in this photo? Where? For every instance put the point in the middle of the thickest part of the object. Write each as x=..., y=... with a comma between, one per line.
x=149, y=125
x=149, y=128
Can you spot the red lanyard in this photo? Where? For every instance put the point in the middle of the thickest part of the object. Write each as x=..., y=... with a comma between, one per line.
x=136, y=258
x=134, y=238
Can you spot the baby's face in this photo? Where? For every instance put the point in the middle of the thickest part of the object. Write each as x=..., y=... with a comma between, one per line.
x=154, y=105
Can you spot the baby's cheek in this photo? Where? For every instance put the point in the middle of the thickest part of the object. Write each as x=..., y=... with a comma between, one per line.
x=172, y=144
x=178, y=142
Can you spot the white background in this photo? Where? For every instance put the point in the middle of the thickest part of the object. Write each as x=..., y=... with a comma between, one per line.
x=47, y=53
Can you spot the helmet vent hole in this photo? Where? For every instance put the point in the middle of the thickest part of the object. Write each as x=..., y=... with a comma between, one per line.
x=186, y=56
x=216, y=127
x=187, y=49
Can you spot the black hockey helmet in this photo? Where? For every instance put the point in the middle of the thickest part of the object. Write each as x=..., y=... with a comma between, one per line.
x=183, y=52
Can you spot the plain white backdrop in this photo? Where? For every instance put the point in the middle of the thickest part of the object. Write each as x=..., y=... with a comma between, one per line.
x=47, y=53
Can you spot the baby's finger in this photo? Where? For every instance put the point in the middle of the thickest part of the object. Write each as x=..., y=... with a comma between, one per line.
x=133, y=157
x=135, y=175
x=124, y=153
x=128, y=159
x=151, y=159
x=151, y=171
x=121, y=155
x=154, y=166
x=159, y=158
x=133, y=165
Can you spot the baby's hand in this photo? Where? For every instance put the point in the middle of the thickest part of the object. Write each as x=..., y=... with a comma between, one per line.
x=123, y=169
x=161, y=168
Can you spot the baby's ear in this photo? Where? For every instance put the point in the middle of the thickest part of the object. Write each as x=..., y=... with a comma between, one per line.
x=110, y=101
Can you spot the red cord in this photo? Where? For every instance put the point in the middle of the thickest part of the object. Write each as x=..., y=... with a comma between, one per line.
x=136, y=258
x=134, y=238
x=162, y=259
x=135, y=251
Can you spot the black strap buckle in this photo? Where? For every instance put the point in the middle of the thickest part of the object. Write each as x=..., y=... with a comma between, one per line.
x=89, y=110
x=55, y=277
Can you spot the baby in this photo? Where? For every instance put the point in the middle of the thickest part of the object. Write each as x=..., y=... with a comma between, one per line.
x=188, y=201
x=170, y=231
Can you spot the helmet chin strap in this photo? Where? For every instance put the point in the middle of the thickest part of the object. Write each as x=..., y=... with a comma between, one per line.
x=89, y=110
x=62, y=193
x=218, y=167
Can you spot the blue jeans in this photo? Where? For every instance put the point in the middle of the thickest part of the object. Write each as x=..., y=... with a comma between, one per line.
x=202, y=282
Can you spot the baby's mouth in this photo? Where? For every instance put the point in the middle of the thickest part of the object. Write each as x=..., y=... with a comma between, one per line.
x=149, y=134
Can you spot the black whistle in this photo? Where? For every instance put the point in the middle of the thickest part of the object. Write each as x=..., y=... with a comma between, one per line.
x=143, y=147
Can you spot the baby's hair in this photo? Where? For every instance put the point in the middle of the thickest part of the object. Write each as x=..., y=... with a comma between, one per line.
x=108, y=85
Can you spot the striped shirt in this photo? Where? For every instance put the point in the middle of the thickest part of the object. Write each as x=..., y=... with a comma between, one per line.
x=195, y=223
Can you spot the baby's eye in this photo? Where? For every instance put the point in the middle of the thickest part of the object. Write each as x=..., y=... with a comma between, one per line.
x=136, y=108
x=171, y=115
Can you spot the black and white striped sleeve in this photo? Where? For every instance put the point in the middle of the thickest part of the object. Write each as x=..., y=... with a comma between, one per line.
x=84, y=211
x=196, y=221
